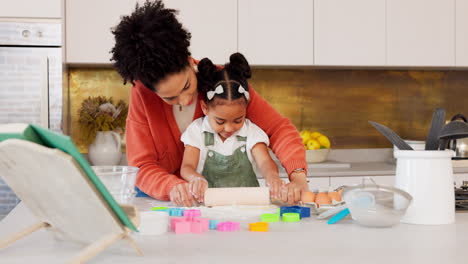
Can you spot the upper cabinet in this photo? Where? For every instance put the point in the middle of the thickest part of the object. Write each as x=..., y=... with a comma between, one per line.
x=31, y=8
x=405, y=33
x=462, y=33
x=276, y=32
x=421, y=33
x=213, y=25
x=349, y=32
x=88, y=28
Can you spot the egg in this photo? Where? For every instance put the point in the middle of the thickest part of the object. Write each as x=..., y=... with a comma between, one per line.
x=322, y=198
x=335, y=196
x=308, y=197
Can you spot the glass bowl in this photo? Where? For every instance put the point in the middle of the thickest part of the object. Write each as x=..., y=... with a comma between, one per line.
x=119, y=181
x=376, y=205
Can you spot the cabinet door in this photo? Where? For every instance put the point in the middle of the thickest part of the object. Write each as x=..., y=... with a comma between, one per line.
x=462, y=33
x=276, y=32
x=88, y=28
x=318, y=183
x=349, y=32
x=213, y=25
x=421, y=33
x=31, y=8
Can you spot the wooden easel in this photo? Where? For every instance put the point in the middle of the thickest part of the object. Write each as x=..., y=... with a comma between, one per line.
x=49, y=181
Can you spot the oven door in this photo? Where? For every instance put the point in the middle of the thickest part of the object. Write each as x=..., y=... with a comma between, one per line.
x=24, y=86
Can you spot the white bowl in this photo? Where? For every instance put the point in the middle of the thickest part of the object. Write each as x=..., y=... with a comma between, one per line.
x=119, y=181
x=317, y=155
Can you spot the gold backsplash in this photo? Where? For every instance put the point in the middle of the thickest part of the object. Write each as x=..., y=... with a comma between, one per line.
x=337, y=103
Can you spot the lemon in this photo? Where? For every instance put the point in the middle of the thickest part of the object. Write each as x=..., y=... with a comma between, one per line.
x=316, y=134
x=324, y=141
x=313, y=144
x=305, y=135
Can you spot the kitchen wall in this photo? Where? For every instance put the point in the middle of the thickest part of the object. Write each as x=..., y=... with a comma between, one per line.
x=336, y=102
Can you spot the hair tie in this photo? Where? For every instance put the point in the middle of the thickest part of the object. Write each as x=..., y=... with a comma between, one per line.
x=243, y=91
x=219, y=90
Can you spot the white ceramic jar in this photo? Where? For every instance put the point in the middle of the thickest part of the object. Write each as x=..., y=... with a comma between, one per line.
x=428, y=177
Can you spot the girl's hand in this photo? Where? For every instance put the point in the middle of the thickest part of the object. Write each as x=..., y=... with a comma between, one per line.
x=197, y=187
x=180, y=195
x=275, y=186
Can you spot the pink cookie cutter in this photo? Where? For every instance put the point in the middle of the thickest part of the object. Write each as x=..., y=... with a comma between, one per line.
x=228, y=226
x=181, y=225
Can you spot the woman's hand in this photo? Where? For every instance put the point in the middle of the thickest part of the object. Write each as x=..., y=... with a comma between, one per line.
x=181, y=196
x=197, y=187
x=275, y=186
x=291, y=192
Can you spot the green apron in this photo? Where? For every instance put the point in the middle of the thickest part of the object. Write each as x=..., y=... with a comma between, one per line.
x=228, y=171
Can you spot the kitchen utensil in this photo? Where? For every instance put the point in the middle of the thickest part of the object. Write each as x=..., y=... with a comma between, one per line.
x=438, y=118
x=119, y=181
x=455, y=128
x=332, y=211
x=391, y=136
x=454, y=137
x=373, y=205
x=336, y=218
x=362, y=200
x=428, y=177
x=237, y=196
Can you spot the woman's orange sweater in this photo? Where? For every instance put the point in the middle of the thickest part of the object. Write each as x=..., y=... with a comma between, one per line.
x=154, y=146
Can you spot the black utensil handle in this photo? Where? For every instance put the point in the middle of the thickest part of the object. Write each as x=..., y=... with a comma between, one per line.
x=459, y=116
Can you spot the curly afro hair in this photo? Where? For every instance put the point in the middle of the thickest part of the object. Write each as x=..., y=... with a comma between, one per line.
x=150, y=44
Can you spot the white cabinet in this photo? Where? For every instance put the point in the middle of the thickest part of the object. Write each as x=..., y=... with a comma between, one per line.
x=349, y=32
x=213, y=25
x=31, y=8
x=276, y=32
x=88, y=28
x=461, y=33
x=318, y=183
x=421, y=32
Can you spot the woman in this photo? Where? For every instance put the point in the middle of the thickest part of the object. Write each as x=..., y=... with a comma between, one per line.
x=151, y=52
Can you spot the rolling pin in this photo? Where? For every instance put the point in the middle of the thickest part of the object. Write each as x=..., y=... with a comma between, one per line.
x=237, y=196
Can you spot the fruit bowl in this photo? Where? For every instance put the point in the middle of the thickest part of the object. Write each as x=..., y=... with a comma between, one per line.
x=317, y=155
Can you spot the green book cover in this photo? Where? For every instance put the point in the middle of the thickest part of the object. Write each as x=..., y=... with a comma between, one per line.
x=52, y=139
x=19, y=131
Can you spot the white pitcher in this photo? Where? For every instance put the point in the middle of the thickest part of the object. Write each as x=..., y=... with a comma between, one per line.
x=428, y=177
x=105, y=149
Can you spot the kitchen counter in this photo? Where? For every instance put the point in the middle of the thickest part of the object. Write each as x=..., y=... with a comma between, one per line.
x=310, y=241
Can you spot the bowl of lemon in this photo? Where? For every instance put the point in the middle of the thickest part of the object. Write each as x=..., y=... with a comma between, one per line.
x=317, y=146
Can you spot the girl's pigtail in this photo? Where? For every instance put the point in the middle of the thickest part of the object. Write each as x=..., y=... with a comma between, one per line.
x=239, y=67
x=206, y=74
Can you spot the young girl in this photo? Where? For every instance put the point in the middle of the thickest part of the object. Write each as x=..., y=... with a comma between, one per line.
x=224, y=149
x=152, y=53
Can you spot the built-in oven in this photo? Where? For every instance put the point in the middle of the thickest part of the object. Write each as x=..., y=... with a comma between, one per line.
x=30, y=81
x=31, y=73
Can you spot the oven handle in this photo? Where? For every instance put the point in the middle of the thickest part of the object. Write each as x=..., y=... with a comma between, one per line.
x=45, y=92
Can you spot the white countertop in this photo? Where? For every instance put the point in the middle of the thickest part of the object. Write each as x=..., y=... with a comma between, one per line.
x=310, y=241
